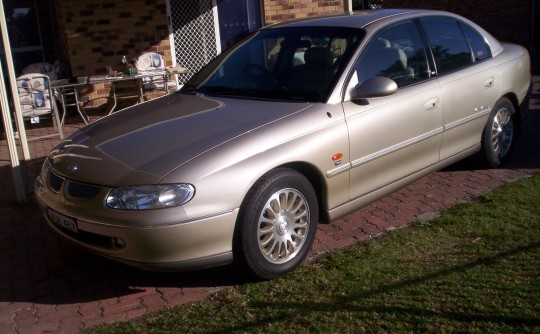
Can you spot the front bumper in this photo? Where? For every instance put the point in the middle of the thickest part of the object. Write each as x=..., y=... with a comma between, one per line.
x=162, y=239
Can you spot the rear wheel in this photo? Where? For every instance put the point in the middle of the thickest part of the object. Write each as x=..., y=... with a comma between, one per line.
x=498, y=135
x=277, y=224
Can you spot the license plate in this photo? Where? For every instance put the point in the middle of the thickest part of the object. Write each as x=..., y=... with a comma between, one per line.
x=63, y=221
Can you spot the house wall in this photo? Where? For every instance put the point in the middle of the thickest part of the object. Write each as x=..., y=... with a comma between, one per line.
x=283, y=10
x=507, y=20
x=50, y=30
x=515, y=21
x=99, y=33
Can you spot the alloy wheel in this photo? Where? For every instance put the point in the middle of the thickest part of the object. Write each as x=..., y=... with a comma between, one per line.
x=502, y=132
x=283, y=225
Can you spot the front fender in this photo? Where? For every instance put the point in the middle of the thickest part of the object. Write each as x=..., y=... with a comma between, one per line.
x=223, y=176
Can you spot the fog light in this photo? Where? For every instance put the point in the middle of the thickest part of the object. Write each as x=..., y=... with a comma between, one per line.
x=118, y=243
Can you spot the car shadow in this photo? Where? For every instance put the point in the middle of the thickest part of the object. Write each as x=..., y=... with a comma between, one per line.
x=38, y=266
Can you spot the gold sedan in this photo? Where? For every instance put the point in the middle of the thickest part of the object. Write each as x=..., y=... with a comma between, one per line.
x=300, y=122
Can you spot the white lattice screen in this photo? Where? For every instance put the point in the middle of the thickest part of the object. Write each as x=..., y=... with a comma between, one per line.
x=194, y=34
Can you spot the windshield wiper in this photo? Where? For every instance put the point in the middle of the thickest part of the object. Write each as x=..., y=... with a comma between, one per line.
x=298, y=95
x=282, y=94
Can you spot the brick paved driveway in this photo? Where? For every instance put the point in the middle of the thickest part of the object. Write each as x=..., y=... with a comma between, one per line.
x=49, y=286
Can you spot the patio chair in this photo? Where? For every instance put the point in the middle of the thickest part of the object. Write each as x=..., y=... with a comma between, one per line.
x=36, y=100
x=67, y=95
x=153, y=62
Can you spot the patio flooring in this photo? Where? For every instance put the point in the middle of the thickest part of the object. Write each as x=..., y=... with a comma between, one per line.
x=49, y=286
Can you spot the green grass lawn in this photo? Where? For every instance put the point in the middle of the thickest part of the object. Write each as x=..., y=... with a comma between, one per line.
x=475, y=269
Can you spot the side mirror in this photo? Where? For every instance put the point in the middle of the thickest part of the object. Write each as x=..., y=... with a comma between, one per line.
x=375, y=87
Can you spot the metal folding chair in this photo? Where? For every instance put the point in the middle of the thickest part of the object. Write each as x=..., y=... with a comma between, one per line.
x=153, y=62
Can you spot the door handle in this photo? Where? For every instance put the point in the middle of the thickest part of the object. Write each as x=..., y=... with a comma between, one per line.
x=489, y=82
x=432, y=103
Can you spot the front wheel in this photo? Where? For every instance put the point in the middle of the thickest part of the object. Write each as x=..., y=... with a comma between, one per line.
x=277, y=224
x=498, y=135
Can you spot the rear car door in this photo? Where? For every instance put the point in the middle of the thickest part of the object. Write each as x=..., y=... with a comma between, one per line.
x=394, y=136
x=469, y=81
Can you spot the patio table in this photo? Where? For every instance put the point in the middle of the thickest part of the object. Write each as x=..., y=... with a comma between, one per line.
x=116, y=81
x=67, y=87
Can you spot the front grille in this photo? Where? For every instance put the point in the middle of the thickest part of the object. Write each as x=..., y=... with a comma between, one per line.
x=81, y=190
x=72, y=189
x=55, y=182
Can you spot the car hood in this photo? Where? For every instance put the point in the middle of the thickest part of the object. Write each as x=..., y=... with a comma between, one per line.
x=142, y=144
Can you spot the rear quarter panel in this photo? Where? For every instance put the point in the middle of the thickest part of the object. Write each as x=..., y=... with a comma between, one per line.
x=515, y=68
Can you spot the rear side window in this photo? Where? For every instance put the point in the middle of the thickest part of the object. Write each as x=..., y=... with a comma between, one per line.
x=448, y=44
x=478, y=44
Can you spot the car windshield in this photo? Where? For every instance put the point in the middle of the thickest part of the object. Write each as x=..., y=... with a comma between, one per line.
x=286, y=64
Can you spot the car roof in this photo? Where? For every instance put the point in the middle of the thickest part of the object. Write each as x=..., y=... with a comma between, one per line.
x=378, y=18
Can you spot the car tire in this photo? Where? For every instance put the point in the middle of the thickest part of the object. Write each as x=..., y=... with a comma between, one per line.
x=277, y=224
x=498, y=135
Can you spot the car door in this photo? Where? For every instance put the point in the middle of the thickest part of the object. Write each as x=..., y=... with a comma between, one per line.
x=469, y=81
x=394, y=136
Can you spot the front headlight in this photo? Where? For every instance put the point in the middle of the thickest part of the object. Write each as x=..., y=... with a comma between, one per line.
x=150, y=196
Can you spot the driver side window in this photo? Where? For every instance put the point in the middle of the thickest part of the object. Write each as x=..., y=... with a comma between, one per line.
x=397, y=53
